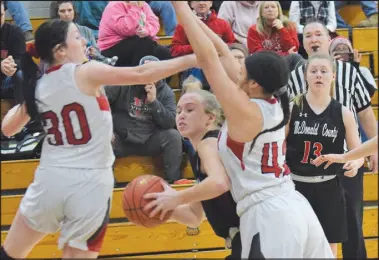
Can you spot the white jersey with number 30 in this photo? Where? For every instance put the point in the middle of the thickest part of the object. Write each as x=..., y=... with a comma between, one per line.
x=79, y=127
x=265, y=165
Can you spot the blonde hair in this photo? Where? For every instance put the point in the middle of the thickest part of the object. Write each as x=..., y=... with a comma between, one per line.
x=211, y=105
x=298, y=100
x=261, y=21
x=190, y=83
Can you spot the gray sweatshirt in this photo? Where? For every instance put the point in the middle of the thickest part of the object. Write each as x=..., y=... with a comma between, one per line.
x=134, y=120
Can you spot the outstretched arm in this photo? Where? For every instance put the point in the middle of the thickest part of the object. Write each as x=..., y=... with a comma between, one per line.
x=98, y=74
x=244, y=117
x=229, y=63
x=366, y=149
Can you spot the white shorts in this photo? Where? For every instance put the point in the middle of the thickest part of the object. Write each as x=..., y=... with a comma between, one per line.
x=77, y=201
x=283, y=226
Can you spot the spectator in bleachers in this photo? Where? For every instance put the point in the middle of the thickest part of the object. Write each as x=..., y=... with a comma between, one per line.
x=88, y=13
x=144, y=120
x=12, y=47
x=239, y=51
x=303, y=11
x=166, y=12
x=66, y=11
x=128, y=30
x=350, y=92
x=370, y=9
x=342, y=49
x=273, y=32
x=180, y=45
x=21, y=17
x=241, y=15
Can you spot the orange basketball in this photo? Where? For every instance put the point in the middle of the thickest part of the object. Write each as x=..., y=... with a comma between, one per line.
x=133, y=201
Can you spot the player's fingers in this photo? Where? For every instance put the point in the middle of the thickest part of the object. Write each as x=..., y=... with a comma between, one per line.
x=347, y=166
x=327, y=165
x=350, y=173
x=155, y=211
x=165, y=185
x=152, y=195
x=150, y=205
x=319, y=160
x=163, y=214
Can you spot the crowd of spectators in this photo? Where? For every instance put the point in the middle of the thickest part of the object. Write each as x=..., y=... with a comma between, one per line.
x=144, y=117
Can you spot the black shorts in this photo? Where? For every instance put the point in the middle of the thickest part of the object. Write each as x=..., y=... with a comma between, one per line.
x=328, y=202
x=236, y=250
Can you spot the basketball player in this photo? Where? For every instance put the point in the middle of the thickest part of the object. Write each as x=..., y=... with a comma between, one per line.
x=73, y=184
x=366, y=149
x=320, y=124
x=198, y=118
x=275, y=220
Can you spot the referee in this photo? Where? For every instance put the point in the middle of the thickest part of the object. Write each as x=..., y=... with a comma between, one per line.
x=350, y=92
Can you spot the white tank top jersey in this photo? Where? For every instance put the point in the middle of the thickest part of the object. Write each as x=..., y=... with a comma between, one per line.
x=265, y=165
x=79, y=127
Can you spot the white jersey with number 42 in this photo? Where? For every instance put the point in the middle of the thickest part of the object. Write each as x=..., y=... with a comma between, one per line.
x=265, y=165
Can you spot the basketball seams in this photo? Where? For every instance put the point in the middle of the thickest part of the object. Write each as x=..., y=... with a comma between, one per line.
x=146, y=191
x=133, y=189
x=148, y=183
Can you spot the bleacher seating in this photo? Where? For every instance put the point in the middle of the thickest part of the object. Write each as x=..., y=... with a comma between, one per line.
x=172, y=240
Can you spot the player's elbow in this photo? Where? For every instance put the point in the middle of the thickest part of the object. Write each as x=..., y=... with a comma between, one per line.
x=221, y=186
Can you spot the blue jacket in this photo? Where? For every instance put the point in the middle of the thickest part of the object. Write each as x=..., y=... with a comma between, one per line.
x=88, y=13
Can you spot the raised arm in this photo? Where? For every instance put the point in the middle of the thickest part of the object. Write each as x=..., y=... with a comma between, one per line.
x=244, y=117
x=98, y=74
x=229, y=63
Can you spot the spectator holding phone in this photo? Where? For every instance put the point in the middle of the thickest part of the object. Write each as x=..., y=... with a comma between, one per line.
x=341, y=49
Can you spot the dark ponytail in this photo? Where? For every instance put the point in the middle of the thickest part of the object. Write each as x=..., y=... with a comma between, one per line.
x=47, y=36
x=30, y=72
x=285, y=104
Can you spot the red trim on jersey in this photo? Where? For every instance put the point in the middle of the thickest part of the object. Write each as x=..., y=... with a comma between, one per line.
x=103, y=103
x=237, y=149
x=272, y=100
x=54, y=68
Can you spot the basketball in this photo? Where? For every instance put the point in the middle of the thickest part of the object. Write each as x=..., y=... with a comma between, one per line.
x=133, y=201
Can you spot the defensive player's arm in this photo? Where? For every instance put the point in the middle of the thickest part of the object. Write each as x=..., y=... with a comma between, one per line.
x=217, y=181
x=245, y=119
x=189, y=214
x=98, y=74
x=366, y=149
x=14, y=120
x=229, y=63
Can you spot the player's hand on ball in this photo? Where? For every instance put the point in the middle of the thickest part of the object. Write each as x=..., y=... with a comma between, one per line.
x=163, y=201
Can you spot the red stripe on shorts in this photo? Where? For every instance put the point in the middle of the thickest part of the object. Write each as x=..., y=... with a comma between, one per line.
x=95, y=242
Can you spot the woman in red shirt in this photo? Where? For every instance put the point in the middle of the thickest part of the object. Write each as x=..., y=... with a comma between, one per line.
x=273, y=31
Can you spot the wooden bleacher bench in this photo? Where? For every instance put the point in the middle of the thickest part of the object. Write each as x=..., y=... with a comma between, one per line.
x=19, y=174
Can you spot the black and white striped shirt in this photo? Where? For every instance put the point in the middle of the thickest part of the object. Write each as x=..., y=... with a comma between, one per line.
x=349, y=88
